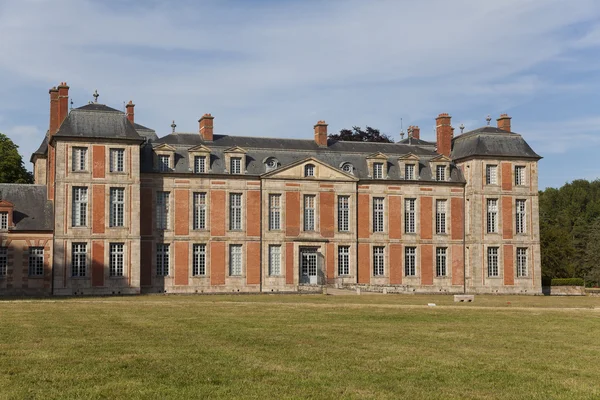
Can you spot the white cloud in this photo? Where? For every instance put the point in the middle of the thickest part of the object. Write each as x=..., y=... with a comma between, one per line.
x=557, y=137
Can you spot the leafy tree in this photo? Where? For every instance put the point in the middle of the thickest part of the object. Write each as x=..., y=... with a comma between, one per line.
x=356, y=134
x=12, y=169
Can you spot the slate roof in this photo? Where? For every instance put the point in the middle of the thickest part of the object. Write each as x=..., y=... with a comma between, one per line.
x=32, y=212
x=288, y=151
x=42, y=150
x=98, y=121
x=416, y=142
x=491, y=142
x=146, y=133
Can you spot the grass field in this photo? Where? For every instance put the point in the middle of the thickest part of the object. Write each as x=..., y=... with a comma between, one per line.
x=301, y=346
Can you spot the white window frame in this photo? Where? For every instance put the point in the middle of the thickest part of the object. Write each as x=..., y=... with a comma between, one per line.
x=162, y=165
x=3, y=220
x=116, y=259
x=79, y=206
x=236, y=260
x=274, y=211
x=410, y=225
x=491, y=174
x=493, y=269
x=117, y=160
x=378, y=214
x=378, y=260
x=79, y=159
x=344, y=213
x=235, y=211
x=441, y=261
x=36, y=261
x=163, y=219
x=199, y=205
x=274, y=260
x=492, y=215
x=521, y=216
x=441, y=207
x=440, y=173
x=409, y=172
x=343, y=260
x=199, y=261
x=309, y=212
x=3, y=261
x=410, y=261
x=235, y=165
x=162, y=259
x=117, y=207
x=78, y=260
x=309, y=170
x=520, y=175
x=378, y=170
x=199, y=164
x=522, y=270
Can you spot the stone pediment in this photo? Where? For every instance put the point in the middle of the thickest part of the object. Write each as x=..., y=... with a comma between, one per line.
x=164, y=147
x=236, y=149
x=199, y=149
x=377, y=156
x=323, y=171
x=409, y=157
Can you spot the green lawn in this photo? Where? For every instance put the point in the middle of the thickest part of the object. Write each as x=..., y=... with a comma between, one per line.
x=294, y=346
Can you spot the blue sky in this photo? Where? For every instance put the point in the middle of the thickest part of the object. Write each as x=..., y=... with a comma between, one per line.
x=274, y=68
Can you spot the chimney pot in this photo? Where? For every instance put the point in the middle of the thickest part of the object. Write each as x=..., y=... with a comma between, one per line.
x=444, y=134
x=63, y=103
x=321, y=133
x=206, y=127
x=416, y=132
x=504, y=122
x=130, y=112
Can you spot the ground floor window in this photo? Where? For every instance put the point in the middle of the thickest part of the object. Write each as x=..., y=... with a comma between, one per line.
x=378, y=261
x=199, y=267
x=521, y=262
x=344, y=260
x=235, y=260
x=492, y=255
x=440, y=261
x=274, y=260
x=3, y=260
x=410, y=261
x=79, y=259
x=162, y=259
x=116, y=259
x=36, y=261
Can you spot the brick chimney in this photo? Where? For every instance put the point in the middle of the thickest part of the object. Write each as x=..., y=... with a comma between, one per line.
x=414, y=132
x=504, y=122
x=130, y=114
x=206, y=127
x=63, y=103
x=444, y=134
x=321, y=133
x=53, y=110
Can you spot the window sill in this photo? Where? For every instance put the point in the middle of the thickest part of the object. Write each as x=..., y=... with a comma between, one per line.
x=494, y=277
x=80, y=227
x=117, y=277
x=118, y=172
x=200, y=230
x=35, y=276
x=80, y=278
x=118, y=227
x=81, y=172
x=200, y=276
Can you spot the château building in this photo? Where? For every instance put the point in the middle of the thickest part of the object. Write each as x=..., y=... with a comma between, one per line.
x=115, y=209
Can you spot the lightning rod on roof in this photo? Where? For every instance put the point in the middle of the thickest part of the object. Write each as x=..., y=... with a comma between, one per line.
x=96, y=95
x=461, y=127
x=173, y=125
x=488, y=119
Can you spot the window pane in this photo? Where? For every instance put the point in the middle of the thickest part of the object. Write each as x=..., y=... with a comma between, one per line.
x=199, y=267
x=235, y=211
x=116, y=259
x=344, y=260
x=274, y=260
x=235, y=260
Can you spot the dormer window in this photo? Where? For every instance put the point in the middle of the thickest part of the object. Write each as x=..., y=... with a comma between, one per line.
x=271, y=164
x=309, y=170
x=164, y=163
x=348, y=168
x=6, y=215
x=409, y=172
x=79, y=158
x=3, y=220
x=377, y=170
x=199, y=164
x=440, y=173
x=235, y=166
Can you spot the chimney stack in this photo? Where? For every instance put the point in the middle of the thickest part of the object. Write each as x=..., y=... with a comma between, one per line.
x=321, y=133
x=415, y=132
x=130, y=114
x=206, y=127
x=53, y=110
x=444, y=134
x=63, y=103
x=504, y=122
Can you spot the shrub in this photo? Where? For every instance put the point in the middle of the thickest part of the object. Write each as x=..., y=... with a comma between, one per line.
x=567, y=282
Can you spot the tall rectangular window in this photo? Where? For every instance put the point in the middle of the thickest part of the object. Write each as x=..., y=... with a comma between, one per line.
x=440, y=173
x=235, y=260
x=440, y=217
x=235, y=165
x=344, y=260
x=80, y=201
x=274, y=212
x=492, y=215
x=199, y=267
x=164, y=163
x=162, y=210
x=343, y=213
x=3, y=261
x=519, y=175
x=117, y=160
x=378, y=261
x=3, y=221
x=36, y=261
x=410, y=261
x=235, y=211
x=377, y=170
x=409, y=216
x=79, y=161
x=440, y=261
x=274, y=260
x=521, y=262
x=116, y=259
x=521, y=216
x=199, y=164
x=117, y=204
x=199, y=211
x=491, y=174
x=409, y=172
x=492, y=259
x=309, y=212
x=162, y=259
x=78, y=259
x=378, y=214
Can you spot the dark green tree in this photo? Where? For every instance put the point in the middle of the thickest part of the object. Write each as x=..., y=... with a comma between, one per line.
x=357, y=134
x=12, y=169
